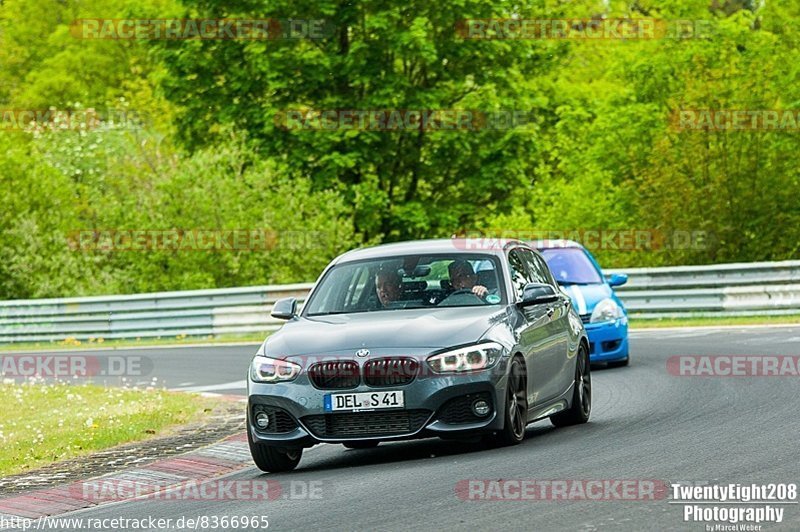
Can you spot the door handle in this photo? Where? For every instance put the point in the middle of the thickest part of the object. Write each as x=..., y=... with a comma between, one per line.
x=567, y=302
x=550, y=312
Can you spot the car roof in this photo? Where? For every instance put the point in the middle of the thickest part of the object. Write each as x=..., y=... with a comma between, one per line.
x=553, y=244
x=487, y=246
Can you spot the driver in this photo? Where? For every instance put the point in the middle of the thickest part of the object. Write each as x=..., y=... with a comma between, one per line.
x=389, y=286
x=463, y=277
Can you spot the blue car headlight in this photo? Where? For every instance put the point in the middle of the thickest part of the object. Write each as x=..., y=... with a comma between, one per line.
x=606, y=310
x=471, y=358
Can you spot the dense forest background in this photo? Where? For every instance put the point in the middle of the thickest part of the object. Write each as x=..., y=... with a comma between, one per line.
x=200, y=146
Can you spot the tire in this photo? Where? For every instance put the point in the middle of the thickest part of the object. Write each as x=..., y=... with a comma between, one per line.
x=367, y=444
x=516, y=406
x=273, y=459
x=581, y=395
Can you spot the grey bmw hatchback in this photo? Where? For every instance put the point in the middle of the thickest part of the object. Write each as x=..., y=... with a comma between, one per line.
x=452, y=338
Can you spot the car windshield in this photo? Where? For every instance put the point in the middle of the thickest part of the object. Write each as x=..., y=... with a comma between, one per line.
x=571, y=266
x=408, y=282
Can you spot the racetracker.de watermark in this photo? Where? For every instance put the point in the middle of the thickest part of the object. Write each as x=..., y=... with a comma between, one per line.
x=200, y=29
x=735, y=120
x=116, y=489
x=401, y=119
x=583, y=29
x=561, y=490
x=733, y=366
x=59, y=119
x=205, y=240
x=591, y=239
x=55, y=366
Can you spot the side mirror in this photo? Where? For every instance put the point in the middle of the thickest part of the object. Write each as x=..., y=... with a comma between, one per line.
x=617, y=279
x=537, y=294
x=284, y=309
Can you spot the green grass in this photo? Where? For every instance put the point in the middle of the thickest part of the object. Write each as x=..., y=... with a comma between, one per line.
x=714, y=322
x=45, y=423
x=100, y=343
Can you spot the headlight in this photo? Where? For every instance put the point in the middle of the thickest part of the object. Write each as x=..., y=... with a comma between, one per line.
x=471, y=358
x=606, y=310
x=265, y=369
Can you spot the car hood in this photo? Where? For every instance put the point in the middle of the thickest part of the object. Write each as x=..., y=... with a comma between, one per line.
x=413, y=329
x=586, y=296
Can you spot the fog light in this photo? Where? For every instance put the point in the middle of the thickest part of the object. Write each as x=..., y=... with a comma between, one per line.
x=262, y=420
x=480, y=408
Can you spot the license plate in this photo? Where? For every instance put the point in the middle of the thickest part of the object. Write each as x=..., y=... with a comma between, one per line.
x=363, y=401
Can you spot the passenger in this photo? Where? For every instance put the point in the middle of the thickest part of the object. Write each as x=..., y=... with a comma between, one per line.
x=463, y=277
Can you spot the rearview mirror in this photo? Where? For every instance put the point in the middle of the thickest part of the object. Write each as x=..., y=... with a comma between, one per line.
x=537, y=294
x=617, y=279
x=423, y=270
x=284, y=309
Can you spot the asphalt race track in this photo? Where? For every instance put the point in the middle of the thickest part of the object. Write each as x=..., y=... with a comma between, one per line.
x=645, y=424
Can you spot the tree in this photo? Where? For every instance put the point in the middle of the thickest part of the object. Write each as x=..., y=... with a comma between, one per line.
x=379, y=56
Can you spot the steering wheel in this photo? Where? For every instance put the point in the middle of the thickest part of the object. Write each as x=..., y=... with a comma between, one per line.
x=460, y=297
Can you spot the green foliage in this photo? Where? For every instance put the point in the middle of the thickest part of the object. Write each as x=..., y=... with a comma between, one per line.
x=614, y=160
x=601, y=151
x=109, y=180
x=409, y=56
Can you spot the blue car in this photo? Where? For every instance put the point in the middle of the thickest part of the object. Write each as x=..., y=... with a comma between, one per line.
x=592, y=294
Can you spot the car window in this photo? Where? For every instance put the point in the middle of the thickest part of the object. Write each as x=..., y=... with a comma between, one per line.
x=358, y=284
x=407, y=282
x=571, y=266
x=537, y=270
x=546, y=269
x=519, y=273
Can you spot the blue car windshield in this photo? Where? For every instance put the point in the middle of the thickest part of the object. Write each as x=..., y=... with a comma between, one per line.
x=571, y=266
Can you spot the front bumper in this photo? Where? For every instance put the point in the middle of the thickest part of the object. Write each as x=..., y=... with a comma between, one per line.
x=608, y=341
x=435, y=405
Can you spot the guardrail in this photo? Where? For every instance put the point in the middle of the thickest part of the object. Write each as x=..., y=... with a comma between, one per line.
x=157, y=315
x=746, y=289
x=766, y=288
